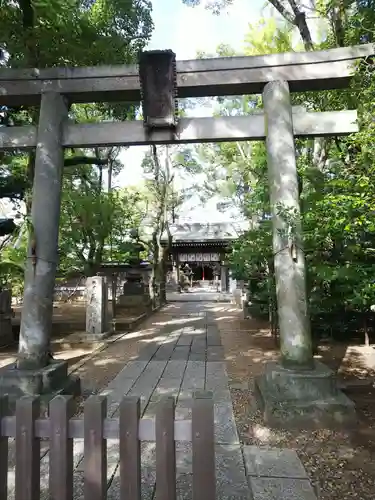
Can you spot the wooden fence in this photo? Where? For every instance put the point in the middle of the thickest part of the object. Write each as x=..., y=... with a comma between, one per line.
x=95, y=428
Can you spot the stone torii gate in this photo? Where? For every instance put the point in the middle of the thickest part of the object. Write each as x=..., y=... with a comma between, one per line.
x=297, y=386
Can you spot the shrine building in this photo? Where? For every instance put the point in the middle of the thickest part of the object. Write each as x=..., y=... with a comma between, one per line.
x=203, y=247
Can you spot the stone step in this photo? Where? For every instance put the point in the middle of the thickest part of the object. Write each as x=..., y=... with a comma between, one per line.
x=276, y=474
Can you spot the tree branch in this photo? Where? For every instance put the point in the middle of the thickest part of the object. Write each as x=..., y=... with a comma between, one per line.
x=283, y=11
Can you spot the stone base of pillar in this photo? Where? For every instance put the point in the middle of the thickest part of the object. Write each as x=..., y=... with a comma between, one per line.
x=130, y=301
x=48, y=381
x=293, y=399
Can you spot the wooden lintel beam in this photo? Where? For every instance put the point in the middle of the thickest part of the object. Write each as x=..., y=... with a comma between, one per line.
x=321, y=70
x=190, y=130
x=146, y=431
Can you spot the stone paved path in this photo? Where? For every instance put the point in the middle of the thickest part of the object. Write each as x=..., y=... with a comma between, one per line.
x=187, y=355
x=199, y=295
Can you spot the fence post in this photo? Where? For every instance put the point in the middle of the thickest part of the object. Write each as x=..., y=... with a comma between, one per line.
x=3, y=451
x=61, y=409
x=130, y=449
x=27, y=449
x=204, y=480
x=96, y=430
x=165, y=451
x=95, y=449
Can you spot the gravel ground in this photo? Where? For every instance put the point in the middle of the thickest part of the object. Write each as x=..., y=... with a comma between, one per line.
x=341, y=464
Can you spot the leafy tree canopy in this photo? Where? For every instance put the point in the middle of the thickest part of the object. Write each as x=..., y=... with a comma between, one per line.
x=336, y=176
x=48, y=33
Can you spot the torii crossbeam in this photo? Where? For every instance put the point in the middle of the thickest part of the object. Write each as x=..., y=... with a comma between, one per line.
x=298, y=386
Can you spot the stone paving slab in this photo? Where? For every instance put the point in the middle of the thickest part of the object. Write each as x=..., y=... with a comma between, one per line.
x=195, y=369
x=222, y=396
x=271, y=462
x=231, y=481
x=199, y=336
x=225, y=425
x=197, y=356
x=112, y=461
x=112, y=458
x=121, y=385
x=175, y=369
x=115, y=394
x=163, y=353
x=170, y=341
x=199, y=343
x=181, y=352
x=190, y=386
x=193, y=330
x=151, y=409
x=281, y=489
x=216, y=376
x=194, y=377
x=215, y=353
x=132, y=369
x=184, y=486
x=198, y=348
x=213, y=339
x=166, y=387
x=78, y=448
x=148, y=481
x=148, y=380
x=148, y=474
x=147, y=352
x=182, y=359
x=185, y=340
x=183, y=410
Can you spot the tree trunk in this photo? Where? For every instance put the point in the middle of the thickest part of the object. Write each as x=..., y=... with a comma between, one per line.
x=114, y=293
x=152, y=286
x=110, y=169
x=163, y=269
x=154, y=269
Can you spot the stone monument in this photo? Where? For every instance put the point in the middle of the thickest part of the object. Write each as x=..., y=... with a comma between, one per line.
x=97, y=325
x=134, y=293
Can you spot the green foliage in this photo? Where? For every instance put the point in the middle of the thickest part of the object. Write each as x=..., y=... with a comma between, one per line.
x=336, y=181
x=161, y=200
x=94, y=224
x=44, y=33
x=268, y=36
x=12, y=264
x=48, y=33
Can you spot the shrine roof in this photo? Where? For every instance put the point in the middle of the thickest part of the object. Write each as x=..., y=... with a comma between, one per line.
x=206, y=232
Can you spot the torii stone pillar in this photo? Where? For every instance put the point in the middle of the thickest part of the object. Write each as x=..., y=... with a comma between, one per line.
x=37, y=310
x=289, y=260
x=36, y=372
x=298, y=391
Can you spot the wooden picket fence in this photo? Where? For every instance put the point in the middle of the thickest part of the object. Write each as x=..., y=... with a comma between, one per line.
x=60, y=428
